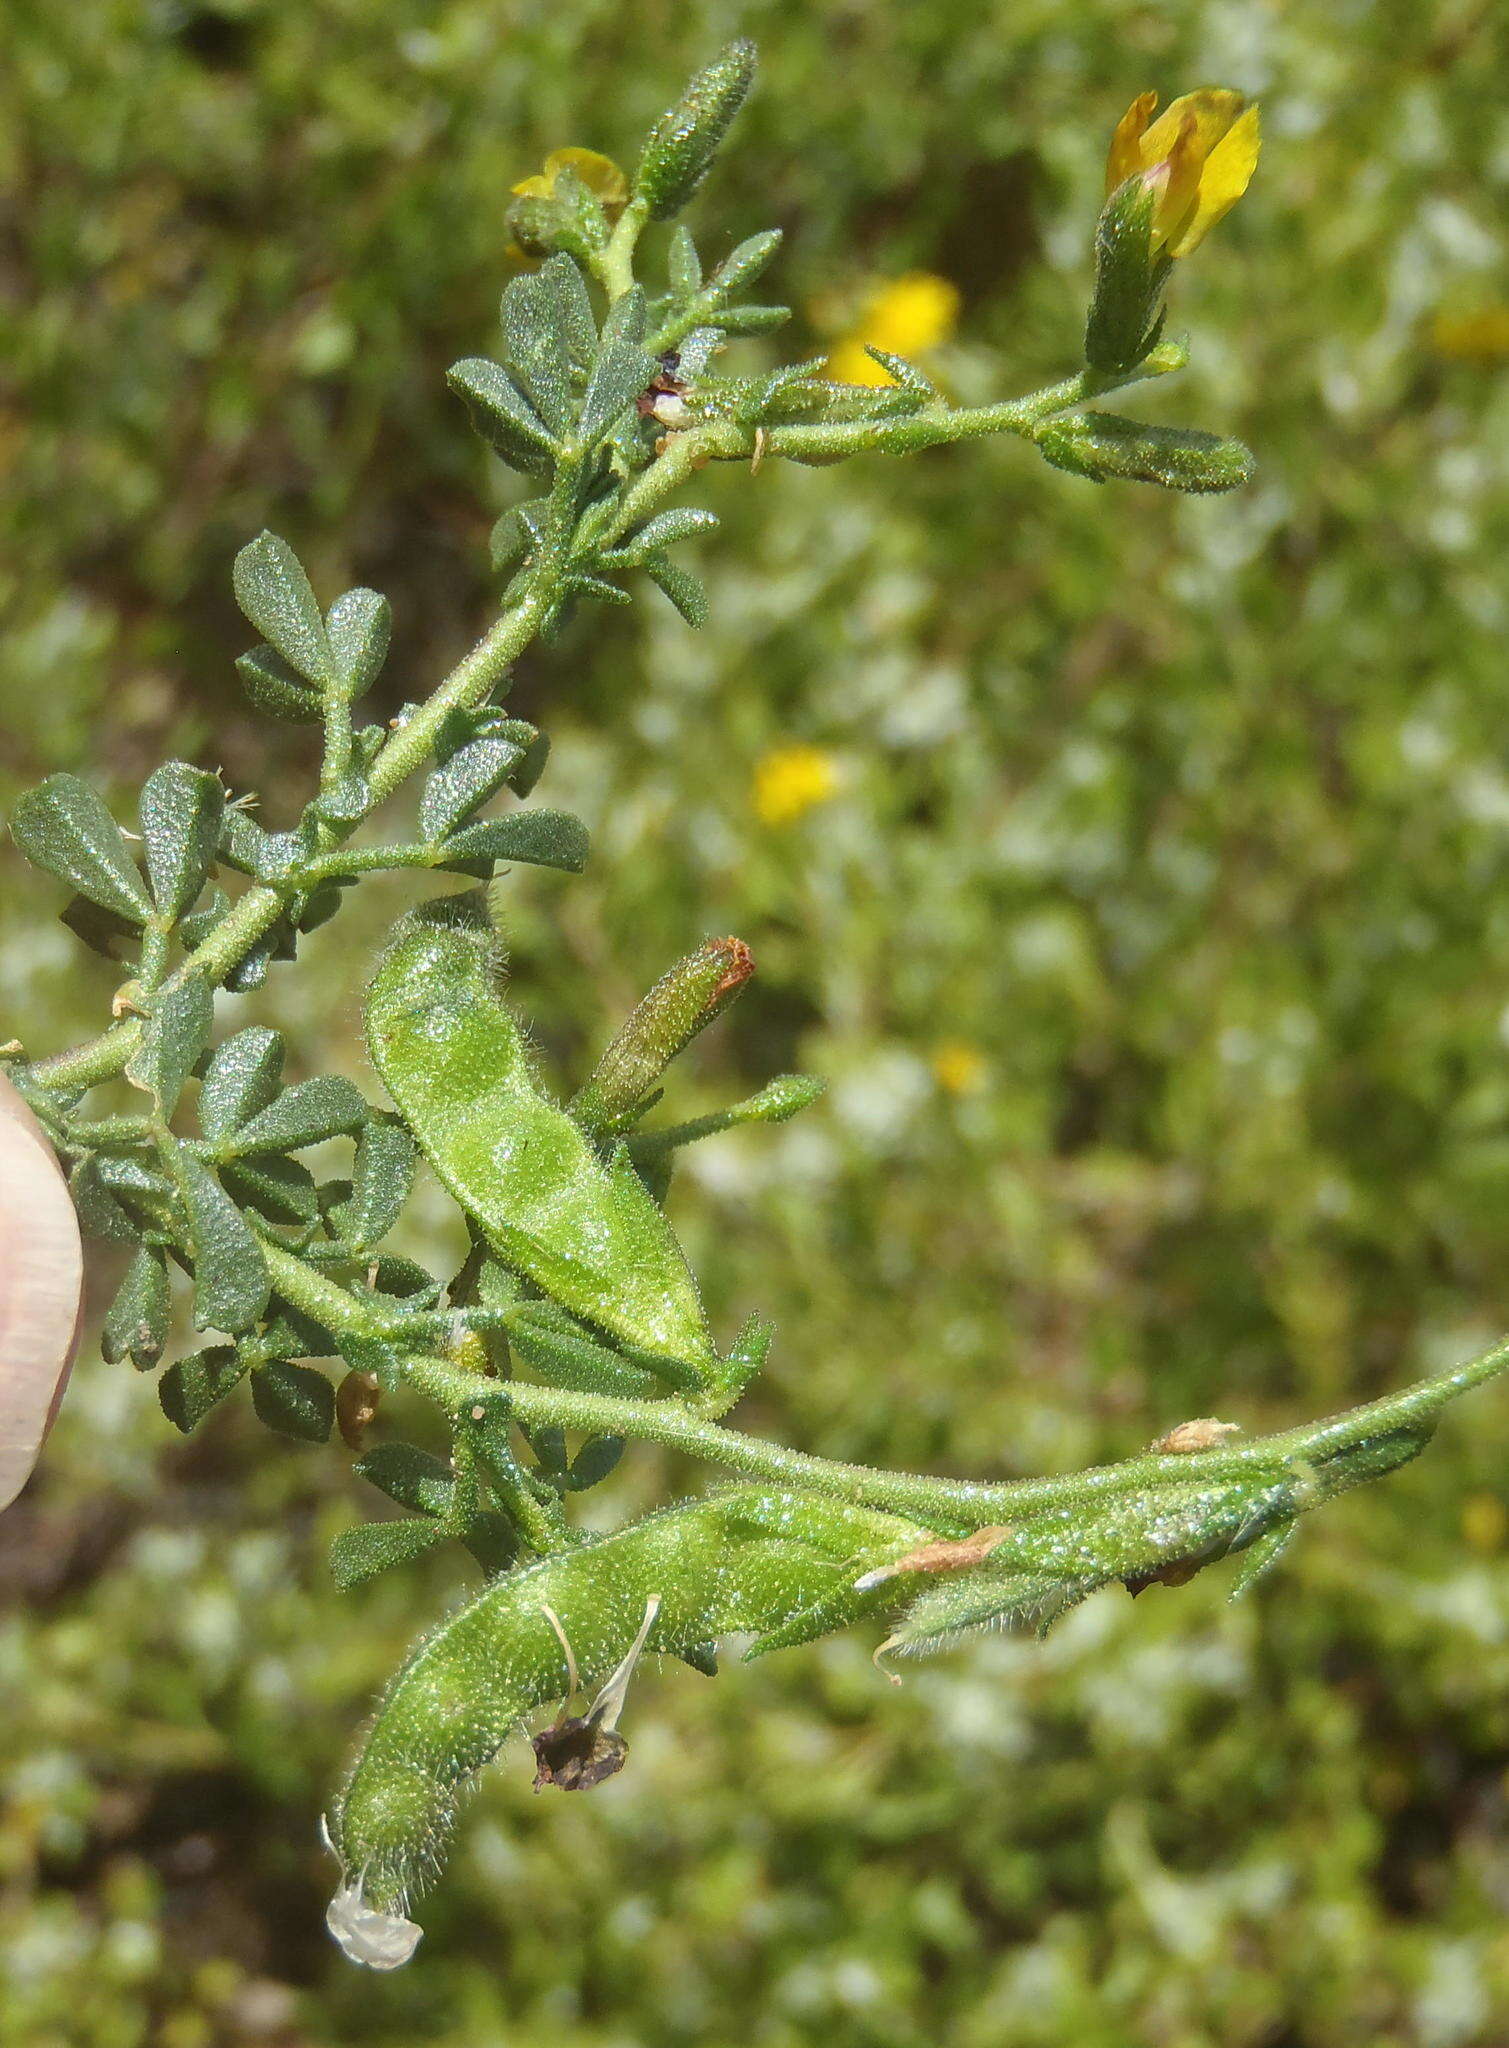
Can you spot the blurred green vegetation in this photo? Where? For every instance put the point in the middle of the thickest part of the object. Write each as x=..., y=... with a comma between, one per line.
x=1187, y=824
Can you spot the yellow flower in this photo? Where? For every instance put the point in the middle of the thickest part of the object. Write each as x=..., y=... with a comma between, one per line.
x=1198, y=157
x=958, y=1067
x=599, y=174
x=1480, y=337
x=905, y=317
x=789, y=781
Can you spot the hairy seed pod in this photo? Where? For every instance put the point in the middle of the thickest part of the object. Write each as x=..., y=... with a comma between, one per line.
x=586, y=1232
x=749, y=1559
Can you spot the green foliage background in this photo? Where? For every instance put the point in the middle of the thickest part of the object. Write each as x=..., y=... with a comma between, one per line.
x=1192, y=817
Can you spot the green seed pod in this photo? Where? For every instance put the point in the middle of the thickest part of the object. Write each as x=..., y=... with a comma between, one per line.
x=587, y=1233
x=682, y=1003
x=1101, y=445
x=748, y=1559
x=682, y=144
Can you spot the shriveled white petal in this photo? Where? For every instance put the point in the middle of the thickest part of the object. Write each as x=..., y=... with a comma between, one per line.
x=383, y=1941
x=41, y=1289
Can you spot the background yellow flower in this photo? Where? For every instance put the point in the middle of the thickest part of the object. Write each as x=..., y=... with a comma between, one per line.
x=789, y=781
x=906, y=317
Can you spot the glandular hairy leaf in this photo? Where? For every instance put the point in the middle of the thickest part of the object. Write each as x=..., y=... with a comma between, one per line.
x=242, y=1076
x=173, y=1040
x=361, y=1553
x=295, y=1400
x=503, y=416
x=182, y=809
x=327, y=1107
x=189, y=1389
x=359, y=627
x=63, y=826
x=274, y=592
x=136, y=1322
x=231, y=1283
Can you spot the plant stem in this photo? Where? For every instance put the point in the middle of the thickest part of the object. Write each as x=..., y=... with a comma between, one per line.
x=615, y=267
x=946, y=1503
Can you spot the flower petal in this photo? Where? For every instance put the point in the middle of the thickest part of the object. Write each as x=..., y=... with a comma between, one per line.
x=1226, y=176
x=1214, y=108
x=597, y=172
x=1126, y=158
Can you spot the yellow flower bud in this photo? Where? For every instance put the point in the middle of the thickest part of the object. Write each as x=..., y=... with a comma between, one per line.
x=1198, y=158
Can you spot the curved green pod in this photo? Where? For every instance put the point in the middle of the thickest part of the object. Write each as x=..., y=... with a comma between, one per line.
x=455, y=1061
x=751, y=1559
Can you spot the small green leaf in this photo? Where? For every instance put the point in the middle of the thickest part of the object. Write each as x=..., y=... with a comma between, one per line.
x=779, y=1099
x=412, y=1477
x=663, y=531
x=241, y=1078
x=273, y=591
x=381, y=1177
x=136, y=1322
x=103, y=931
x=1104, y=445
x=904, y=372
x=295, y=1400
x=275, y=689
x=683, y=589
x=280, y=1189
x=359, y=627
x=593, y=1462
x=367, y=1354
x=536, y=344
x=231, y=1285
x=622, y=370
x=327, y=1107
x=683, y=265
x=173, y=1040
x=743, y=264
x=561, y=1353
x=99, y=1213
x=754, y=319
x=182, y=810
x=192, y=1387
x=542, y=839
x=63, y=826
x=502, y=415
x=345, y=802
x=372, y=1547
x=473, y=773
x=563, y=279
